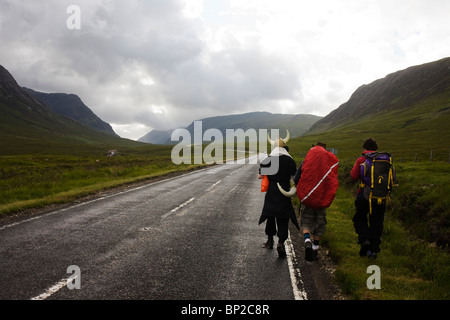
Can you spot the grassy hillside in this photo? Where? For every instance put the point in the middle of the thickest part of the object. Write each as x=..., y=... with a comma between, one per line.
x=29, y=126
x=405, y=133
x=398, y=91
x=72, y=107
x=36, y=129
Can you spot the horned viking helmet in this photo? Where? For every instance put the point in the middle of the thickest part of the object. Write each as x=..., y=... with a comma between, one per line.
x=282, y=143
x=279, y=142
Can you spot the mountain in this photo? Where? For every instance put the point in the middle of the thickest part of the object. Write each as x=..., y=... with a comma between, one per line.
x=407, y=112
x=11, y=92
x=26, y=124
x=156, y=137
x=297, y=124
x=397, y=91
x=71, y=106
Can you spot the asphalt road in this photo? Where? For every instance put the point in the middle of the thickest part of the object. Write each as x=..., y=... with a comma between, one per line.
x=194, y=236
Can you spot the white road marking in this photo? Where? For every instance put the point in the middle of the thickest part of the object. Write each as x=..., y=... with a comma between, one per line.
x=177, y=208
x=296, y=276
x=215, y=184
x=233, y=189
x=53, y=289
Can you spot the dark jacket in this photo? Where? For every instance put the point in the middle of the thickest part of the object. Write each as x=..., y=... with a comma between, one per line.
x=275, y=203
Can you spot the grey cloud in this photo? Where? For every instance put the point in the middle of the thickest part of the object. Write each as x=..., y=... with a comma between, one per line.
x=145, y=62
x=119, y=39
x=234, y=78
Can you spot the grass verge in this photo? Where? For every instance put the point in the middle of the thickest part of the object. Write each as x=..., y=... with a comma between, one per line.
x=35, y=181
x=410, y=268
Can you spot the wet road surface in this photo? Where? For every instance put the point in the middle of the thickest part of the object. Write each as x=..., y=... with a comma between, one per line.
x=195, y=236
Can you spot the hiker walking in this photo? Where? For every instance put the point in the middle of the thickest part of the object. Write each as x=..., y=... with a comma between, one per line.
x=312, y=221
x=278, y=209
x=376, y=173
x=316, y=185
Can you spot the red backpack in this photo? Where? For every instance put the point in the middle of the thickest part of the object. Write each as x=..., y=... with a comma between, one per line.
x=319, y=181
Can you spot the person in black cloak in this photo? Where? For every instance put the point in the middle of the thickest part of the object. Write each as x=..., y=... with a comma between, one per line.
x=278, y=209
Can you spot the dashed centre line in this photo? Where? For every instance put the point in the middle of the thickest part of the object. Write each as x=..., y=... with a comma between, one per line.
x=177, y=208
x=212, y=186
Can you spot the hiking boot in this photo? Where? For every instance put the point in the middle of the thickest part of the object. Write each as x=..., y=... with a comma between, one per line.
x=308, y=251
x=365, y=246
x=268, y=244
x=371, y=254
x=281, y=250
x=315, y=254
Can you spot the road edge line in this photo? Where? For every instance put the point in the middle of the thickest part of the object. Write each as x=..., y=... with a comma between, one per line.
x=295, y=274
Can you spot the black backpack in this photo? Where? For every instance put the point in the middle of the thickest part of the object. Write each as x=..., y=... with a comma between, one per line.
x=377, y=177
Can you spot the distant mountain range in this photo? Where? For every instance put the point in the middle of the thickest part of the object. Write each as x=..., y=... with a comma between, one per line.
x=297, y=124
x=27, y=113
x=414, y=102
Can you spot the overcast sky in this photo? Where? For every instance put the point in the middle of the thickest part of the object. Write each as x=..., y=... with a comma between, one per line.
x=160, y=64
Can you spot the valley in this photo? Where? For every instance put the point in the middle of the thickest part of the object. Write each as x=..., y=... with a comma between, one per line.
x=47, y=159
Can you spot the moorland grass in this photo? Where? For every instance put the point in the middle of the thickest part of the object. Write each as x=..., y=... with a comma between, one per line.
x=36, y=180
x=414, y=259
x=411, y=267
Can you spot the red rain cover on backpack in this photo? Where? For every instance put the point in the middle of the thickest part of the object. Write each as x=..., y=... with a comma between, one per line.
x=319, y=182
